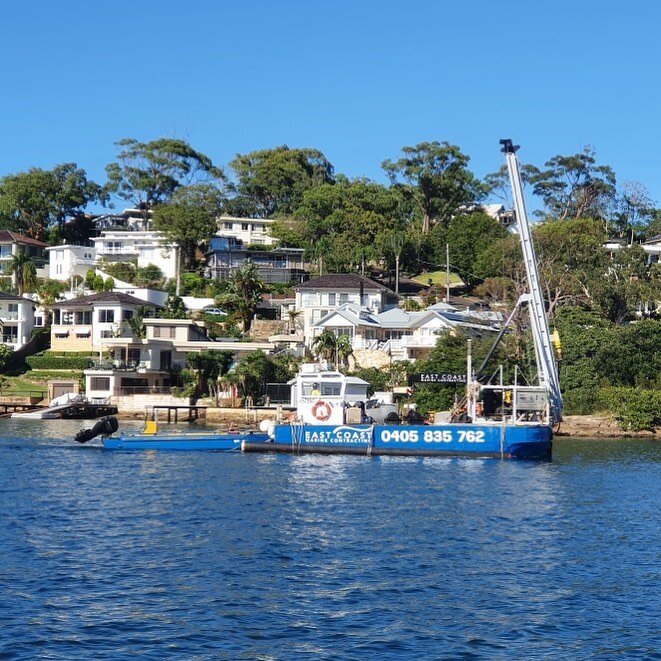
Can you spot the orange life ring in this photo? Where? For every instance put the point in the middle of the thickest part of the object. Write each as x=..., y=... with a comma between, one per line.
x=321, y=410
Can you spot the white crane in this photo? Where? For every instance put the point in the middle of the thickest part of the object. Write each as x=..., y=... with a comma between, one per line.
x=547, y=367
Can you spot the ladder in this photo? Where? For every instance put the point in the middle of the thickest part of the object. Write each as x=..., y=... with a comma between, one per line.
x=547, y=367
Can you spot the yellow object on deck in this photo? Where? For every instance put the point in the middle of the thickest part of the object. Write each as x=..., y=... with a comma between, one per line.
x=150, y=427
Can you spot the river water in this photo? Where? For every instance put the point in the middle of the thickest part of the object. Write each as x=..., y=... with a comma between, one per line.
x=210, y=555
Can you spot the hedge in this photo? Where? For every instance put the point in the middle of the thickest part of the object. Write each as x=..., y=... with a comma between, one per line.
x=633, y=408
x=50, y=362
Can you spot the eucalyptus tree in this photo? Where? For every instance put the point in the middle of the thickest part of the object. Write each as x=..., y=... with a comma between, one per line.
x=148, y=173
x=31, y=202
x=436, y=177
x=189, y=218
x=272, y=182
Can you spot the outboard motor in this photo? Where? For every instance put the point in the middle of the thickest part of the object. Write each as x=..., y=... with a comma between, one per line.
x=104, y=427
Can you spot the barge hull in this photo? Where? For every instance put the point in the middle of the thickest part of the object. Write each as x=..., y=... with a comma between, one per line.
x=530, y=441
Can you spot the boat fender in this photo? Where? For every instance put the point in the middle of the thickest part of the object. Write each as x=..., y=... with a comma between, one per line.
x=103, y=427
x=321, y=411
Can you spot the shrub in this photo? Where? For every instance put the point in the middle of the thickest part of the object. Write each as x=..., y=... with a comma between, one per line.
x=634, y=408
x=47, y=361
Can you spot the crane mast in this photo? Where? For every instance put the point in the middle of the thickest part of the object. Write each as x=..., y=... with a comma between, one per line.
x=547, y=367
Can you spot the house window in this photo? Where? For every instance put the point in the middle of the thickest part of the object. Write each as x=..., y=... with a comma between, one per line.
x=38, y=321
x=344, y=298
x=106, y=316
x=56, y=316
x=100, y=383
x=10, y=334
x=245, y=227
x=127, y=314
x=166, y=332
x=84, y=318
x=331, y=299
x=59, y=255
x=67, y=318
x=13, y=307
x=106, y=334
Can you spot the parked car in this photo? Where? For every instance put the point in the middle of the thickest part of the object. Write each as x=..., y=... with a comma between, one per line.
x=216, y=311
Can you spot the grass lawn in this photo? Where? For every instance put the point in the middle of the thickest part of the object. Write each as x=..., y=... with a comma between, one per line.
x=437, y=278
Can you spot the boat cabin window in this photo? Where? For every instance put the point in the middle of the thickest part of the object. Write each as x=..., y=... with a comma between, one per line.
x=322, y=389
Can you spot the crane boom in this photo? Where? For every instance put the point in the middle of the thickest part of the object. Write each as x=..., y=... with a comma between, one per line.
x=547, y=367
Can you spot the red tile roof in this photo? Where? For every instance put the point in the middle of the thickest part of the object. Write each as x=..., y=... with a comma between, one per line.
x=12, y=237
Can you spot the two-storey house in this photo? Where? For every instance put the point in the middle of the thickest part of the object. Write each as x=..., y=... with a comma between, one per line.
x=67, y=260
x=12, y=244
x=140, y=247
x=83, y=324
x=16, y=320
x=281, y=265
x=318, y=296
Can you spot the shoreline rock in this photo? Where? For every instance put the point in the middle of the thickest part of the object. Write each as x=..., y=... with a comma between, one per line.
x=599, y=426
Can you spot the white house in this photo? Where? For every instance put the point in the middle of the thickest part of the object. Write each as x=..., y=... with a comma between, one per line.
x=399, y=334
x=319, y=296
x=140, y=247
x=16, y=320
x=66, y=261
x=83, y=324
x=143, y=365
x=251, y=231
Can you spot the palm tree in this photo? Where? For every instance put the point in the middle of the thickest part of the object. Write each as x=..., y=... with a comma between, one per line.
x=343, y=350
x=325, y=346
x=293, y=316
x=244, y=293
x=24, y=272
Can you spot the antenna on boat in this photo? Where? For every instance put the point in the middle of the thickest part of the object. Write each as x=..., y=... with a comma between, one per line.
x=547, y=367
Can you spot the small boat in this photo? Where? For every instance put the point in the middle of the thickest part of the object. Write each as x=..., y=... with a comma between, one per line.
x=227, y=442
x=151, y=439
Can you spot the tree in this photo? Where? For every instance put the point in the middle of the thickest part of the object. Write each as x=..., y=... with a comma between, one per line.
x=6, y=354
x=189, y=218
x=342, y=222
x=149, y=276
x=469, y=235
x=24, y=272
x=325, y=345
x=575, y=186
x=273, y=181
x=48, y=292
x=147, y=173
x=436, y=176
x=135, y=323
x=33, y=201
x=244, y=293
x=210, y=368
x=174, y=308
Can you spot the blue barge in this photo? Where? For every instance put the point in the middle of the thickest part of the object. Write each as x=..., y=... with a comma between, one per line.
x=227, y=442
x=531, y=441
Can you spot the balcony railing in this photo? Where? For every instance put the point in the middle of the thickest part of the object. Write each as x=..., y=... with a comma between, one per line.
x=146, y=390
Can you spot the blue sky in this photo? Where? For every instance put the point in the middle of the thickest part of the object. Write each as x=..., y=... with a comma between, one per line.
x=356, y=79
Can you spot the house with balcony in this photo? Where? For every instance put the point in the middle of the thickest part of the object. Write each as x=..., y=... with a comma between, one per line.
x=142, y=248
x=275, y=264
x=12, y=244
x=137, y=366
x=250, y=231
x=67, y=261
x=84, y=323
x=319, y=296
x=402, y=335
x=16, y=320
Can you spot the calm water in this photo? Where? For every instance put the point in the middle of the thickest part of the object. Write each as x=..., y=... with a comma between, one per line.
x=205, y=555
